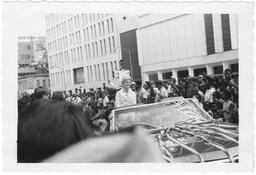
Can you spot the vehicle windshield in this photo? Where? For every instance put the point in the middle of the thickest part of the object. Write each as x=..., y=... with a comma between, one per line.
x=160, y=114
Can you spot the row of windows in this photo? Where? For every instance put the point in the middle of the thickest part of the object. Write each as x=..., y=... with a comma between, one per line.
x=26, y=84
x=217, y=71
x=78, y=54
x=209, y=34
x=74, y=39
x=100, y=48
x=95, y=72
x=59, y=44
x=100, y=72
x=99, y=29
x=60, y=59
x=44, y=83
x=61, y=79
x=85, y=17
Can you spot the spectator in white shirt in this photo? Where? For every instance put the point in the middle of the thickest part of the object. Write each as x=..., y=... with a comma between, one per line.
x=161, y=91
x=125, y=96
x=143, y=94
x=208, y=96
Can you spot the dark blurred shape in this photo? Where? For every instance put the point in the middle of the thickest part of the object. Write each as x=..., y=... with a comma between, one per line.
x=41, y=93
x=46, y=127
x=58, y=95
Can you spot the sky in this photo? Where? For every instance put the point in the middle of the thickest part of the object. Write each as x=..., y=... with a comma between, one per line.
x=32, y=22
x=30, y=19
x=32, y=25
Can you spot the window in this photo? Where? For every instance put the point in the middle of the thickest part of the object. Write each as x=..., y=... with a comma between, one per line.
x=78, y=54
x=96, y=45
x=182, y=74
x=112, y=68
x=99, y=29
x=226, y=32
x=75, y=56
x=107, y=70
x=101, y=49
x=61, y=78
x=103, y=28
x=92, y=32
x=88, y=76
x=76, y=41
x=91, y=73
x=108, y=26
x=83, y=19
x=103, y=71
x=79, y=36
x=199, y=71
x=218, y=70
x=89, y=51
x=234, y=68
x=84, y=34
x=109, y=43
x=153, y=77
x=167, y=75
x=81, y=54
x=112, y=25
x=93, y=50
x=95, y=33
x=113, y=41
x=75, y=21
x=98, y=66
x=68, y=57
x=105, y=49
x=72, y=59
x=115, y=65
x=78, y=75
x=87, y=32
x=78, y=22
x=86, y=52
x=95, y=72
x=209, y=34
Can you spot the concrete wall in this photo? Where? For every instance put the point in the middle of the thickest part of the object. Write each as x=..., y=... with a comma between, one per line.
x=170, y=43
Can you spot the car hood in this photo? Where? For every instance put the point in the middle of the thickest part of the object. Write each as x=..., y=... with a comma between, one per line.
x=198, y=142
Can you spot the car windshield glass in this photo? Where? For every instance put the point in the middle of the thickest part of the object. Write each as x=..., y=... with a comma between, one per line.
x=161, y=114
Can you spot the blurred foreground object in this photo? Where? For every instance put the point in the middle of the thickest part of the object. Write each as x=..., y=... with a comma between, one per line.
x=133, y=146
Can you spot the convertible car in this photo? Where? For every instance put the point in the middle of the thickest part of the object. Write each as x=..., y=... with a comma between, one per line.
x=182, y=129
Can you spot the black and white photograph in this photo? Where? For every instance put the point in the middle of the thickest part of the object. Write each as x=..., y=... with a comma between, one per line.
x=102, y=86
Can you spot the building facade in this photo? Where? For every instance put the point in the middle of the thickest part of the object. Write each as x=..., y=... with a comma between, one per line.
x=81, y=50
x=129, y=49
x=25, y=53
x=32, y=64
x=29, y=83
x=186, y=45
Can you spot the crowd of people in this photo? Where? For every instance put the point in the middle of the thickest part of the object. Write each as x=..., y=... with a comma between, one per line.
x=52, y=122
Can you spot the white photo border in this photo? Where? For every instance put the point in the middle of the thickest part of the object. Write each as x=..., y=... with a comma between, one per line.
x=12, y=12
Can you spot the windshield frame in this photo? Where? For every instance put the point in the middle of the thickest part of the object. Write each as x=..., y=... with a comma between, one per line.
x=113, y=122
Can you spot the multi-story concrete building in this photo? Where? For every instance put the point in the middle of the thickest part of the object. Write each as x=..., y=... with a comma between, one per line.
x=25, y=53
x=32, y=64
x=186, y=45
x=81, y=50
